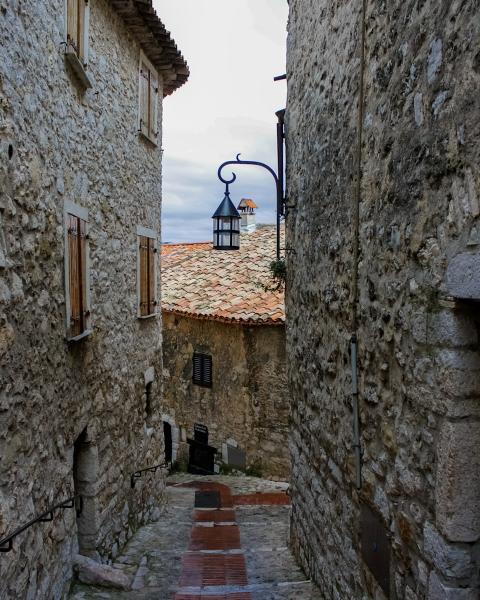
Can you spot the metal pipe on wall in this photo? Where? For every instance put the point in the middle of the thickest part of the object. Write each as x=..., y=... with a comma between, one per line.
x=280, y=171
x=356, y=414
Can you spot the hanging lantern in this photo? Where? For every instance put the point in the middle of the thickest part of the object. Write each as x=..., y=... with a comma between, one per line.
x=226, y=225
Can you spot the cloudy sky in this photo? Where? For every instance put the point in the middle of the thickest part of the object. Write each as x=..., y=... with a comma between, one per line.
x=234, y=49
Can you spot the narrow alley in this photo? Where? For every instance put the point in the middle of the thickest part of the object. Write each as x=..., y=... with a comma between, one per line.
x=237, y=551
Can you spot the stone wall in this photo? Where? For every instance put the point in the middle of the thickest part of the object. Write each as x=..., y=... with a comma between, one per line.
x=59, y=143
x=248, y=401
x=419, y=251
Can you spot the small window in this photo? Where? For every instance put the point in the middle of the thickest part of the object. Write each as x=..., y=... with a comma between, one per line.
x=147, y=272
x=77, y=29
x=148, y=101
x=76, y=273
x=202, y=369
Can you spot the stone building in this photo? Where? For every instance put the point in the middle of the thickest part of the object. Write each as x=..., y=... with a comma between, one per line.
x=81, y=89
x=383, y=125
x=224, y=352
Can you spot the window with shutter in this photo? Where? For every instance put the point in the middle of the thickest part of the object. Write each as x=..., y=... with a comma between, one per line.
x=77, y=28
x=202, y=369
x=147, y=280
x=76, y=274
x=148, y=101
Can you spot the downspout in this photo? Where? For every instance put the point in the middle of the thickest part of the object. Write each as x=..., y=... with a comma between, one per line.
x=280, y=172
x=356, y=252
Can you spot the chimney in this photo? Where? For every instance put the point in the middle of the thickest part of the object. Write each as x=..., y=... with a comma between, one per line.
x=246, y=208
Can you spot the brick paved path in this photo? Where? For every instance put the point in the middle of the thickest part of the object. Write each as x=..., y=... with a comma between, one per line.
x=235, y=552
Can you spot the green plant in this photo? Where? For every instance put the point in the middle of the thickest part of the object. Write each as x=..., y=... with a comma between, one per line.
x=278, y=275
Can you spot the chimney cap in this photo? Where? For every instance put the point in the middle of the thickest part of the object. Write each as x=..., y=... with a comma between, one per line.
x=247, y=203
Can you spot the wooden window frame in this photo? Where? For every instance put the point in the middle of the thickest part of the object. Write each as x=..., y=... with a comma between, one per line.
x=151, y=234
x=203, y=381
x=152, y=130
x=77, y=57
x=81, y=213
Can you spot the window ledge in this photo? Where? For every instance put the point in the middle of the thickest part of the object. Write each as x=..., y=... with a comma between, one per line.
x=77, y=67
x=142, y=318
x=82, y=336
x=147, y=138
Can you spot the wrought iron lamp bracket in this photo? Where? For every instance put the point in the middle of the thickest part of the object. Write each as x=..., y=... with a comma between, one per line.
x=278, y=186
x=239, y=161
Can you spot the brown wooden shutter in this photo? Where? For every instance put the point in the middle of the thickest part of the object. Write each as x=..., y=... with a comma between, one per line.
x=144, y=99
x=151, y=277
x=81, y=29
x=77, y=263
x=143, y=252
x=153, y=107
x=74, y=280
x=82, y=259
x=73, y=7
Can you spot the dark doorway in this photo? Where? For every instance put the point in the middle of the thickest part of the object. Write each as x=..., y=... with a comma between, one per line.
x=201, y=455
x=167, y=435
x=85, y=475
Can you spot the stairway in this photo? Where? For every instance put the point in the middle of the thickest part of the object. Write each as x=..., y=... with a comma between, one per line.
x=236, y=550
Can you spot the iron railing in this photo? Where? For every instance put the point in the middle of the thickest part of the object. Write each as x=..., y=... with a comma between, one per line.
x=154, y=469
x=6, y=543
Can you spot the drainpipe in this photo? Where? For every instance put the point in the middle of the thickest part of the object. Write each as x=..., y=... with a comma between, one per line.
x=280, y=171
x=356, y=249
x=356, y=415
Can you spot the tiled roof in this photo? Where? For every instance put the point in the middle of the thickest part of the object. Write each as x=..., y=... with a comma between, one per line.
x=223, y=285
x=157, y=43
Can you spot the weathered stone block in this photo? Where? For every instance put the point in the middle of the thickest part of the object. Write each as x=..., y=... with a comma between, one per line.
x=449, y=559
x=94, y=573
x=449, y=328
x=463, y=276
x=437, y=590
x=458, y=481
x=457, y=372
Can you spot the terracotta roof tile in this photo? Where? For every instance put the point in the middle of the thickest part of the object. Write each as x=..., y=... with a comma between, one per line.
x=201, y=282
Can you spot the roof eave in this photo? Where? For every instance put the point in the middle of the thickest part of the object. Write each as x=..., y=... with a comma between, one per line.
x=143, y=22
x=221, y=319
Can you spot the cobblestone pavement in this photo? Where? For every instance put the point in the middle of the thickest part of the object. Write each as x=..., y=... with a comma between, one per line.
x=237, y=552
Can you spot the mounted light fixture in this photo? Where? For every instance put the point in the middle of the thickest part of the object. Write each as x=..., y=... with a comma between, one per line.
x=278, y=177
x=226, y=224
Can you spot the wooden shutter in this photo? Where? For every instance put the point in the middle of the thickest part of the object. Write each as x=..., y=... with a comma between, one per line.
x=77, y=27
x=197, y=369
x=77, y=280
x=143, y=252
x=82, y=259
x=207, y=370
x=81, y=29
x=144, y=99
x=202, y=369
x=153, y=107
x=151, y=277
x=73, y=13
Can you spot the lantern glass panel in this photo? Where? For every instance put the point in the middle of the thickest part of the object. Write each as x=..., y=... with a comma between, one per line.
x=224, y=223
x=224, y=239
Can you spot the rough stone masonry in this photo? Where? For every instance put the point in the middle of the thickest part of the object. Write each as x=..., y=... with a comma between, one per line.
x=418, y=299
x=73, y=414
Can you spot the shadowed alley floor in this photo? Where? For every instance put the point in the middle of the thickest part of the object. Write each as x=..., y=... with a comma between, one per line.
x=235, y=552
